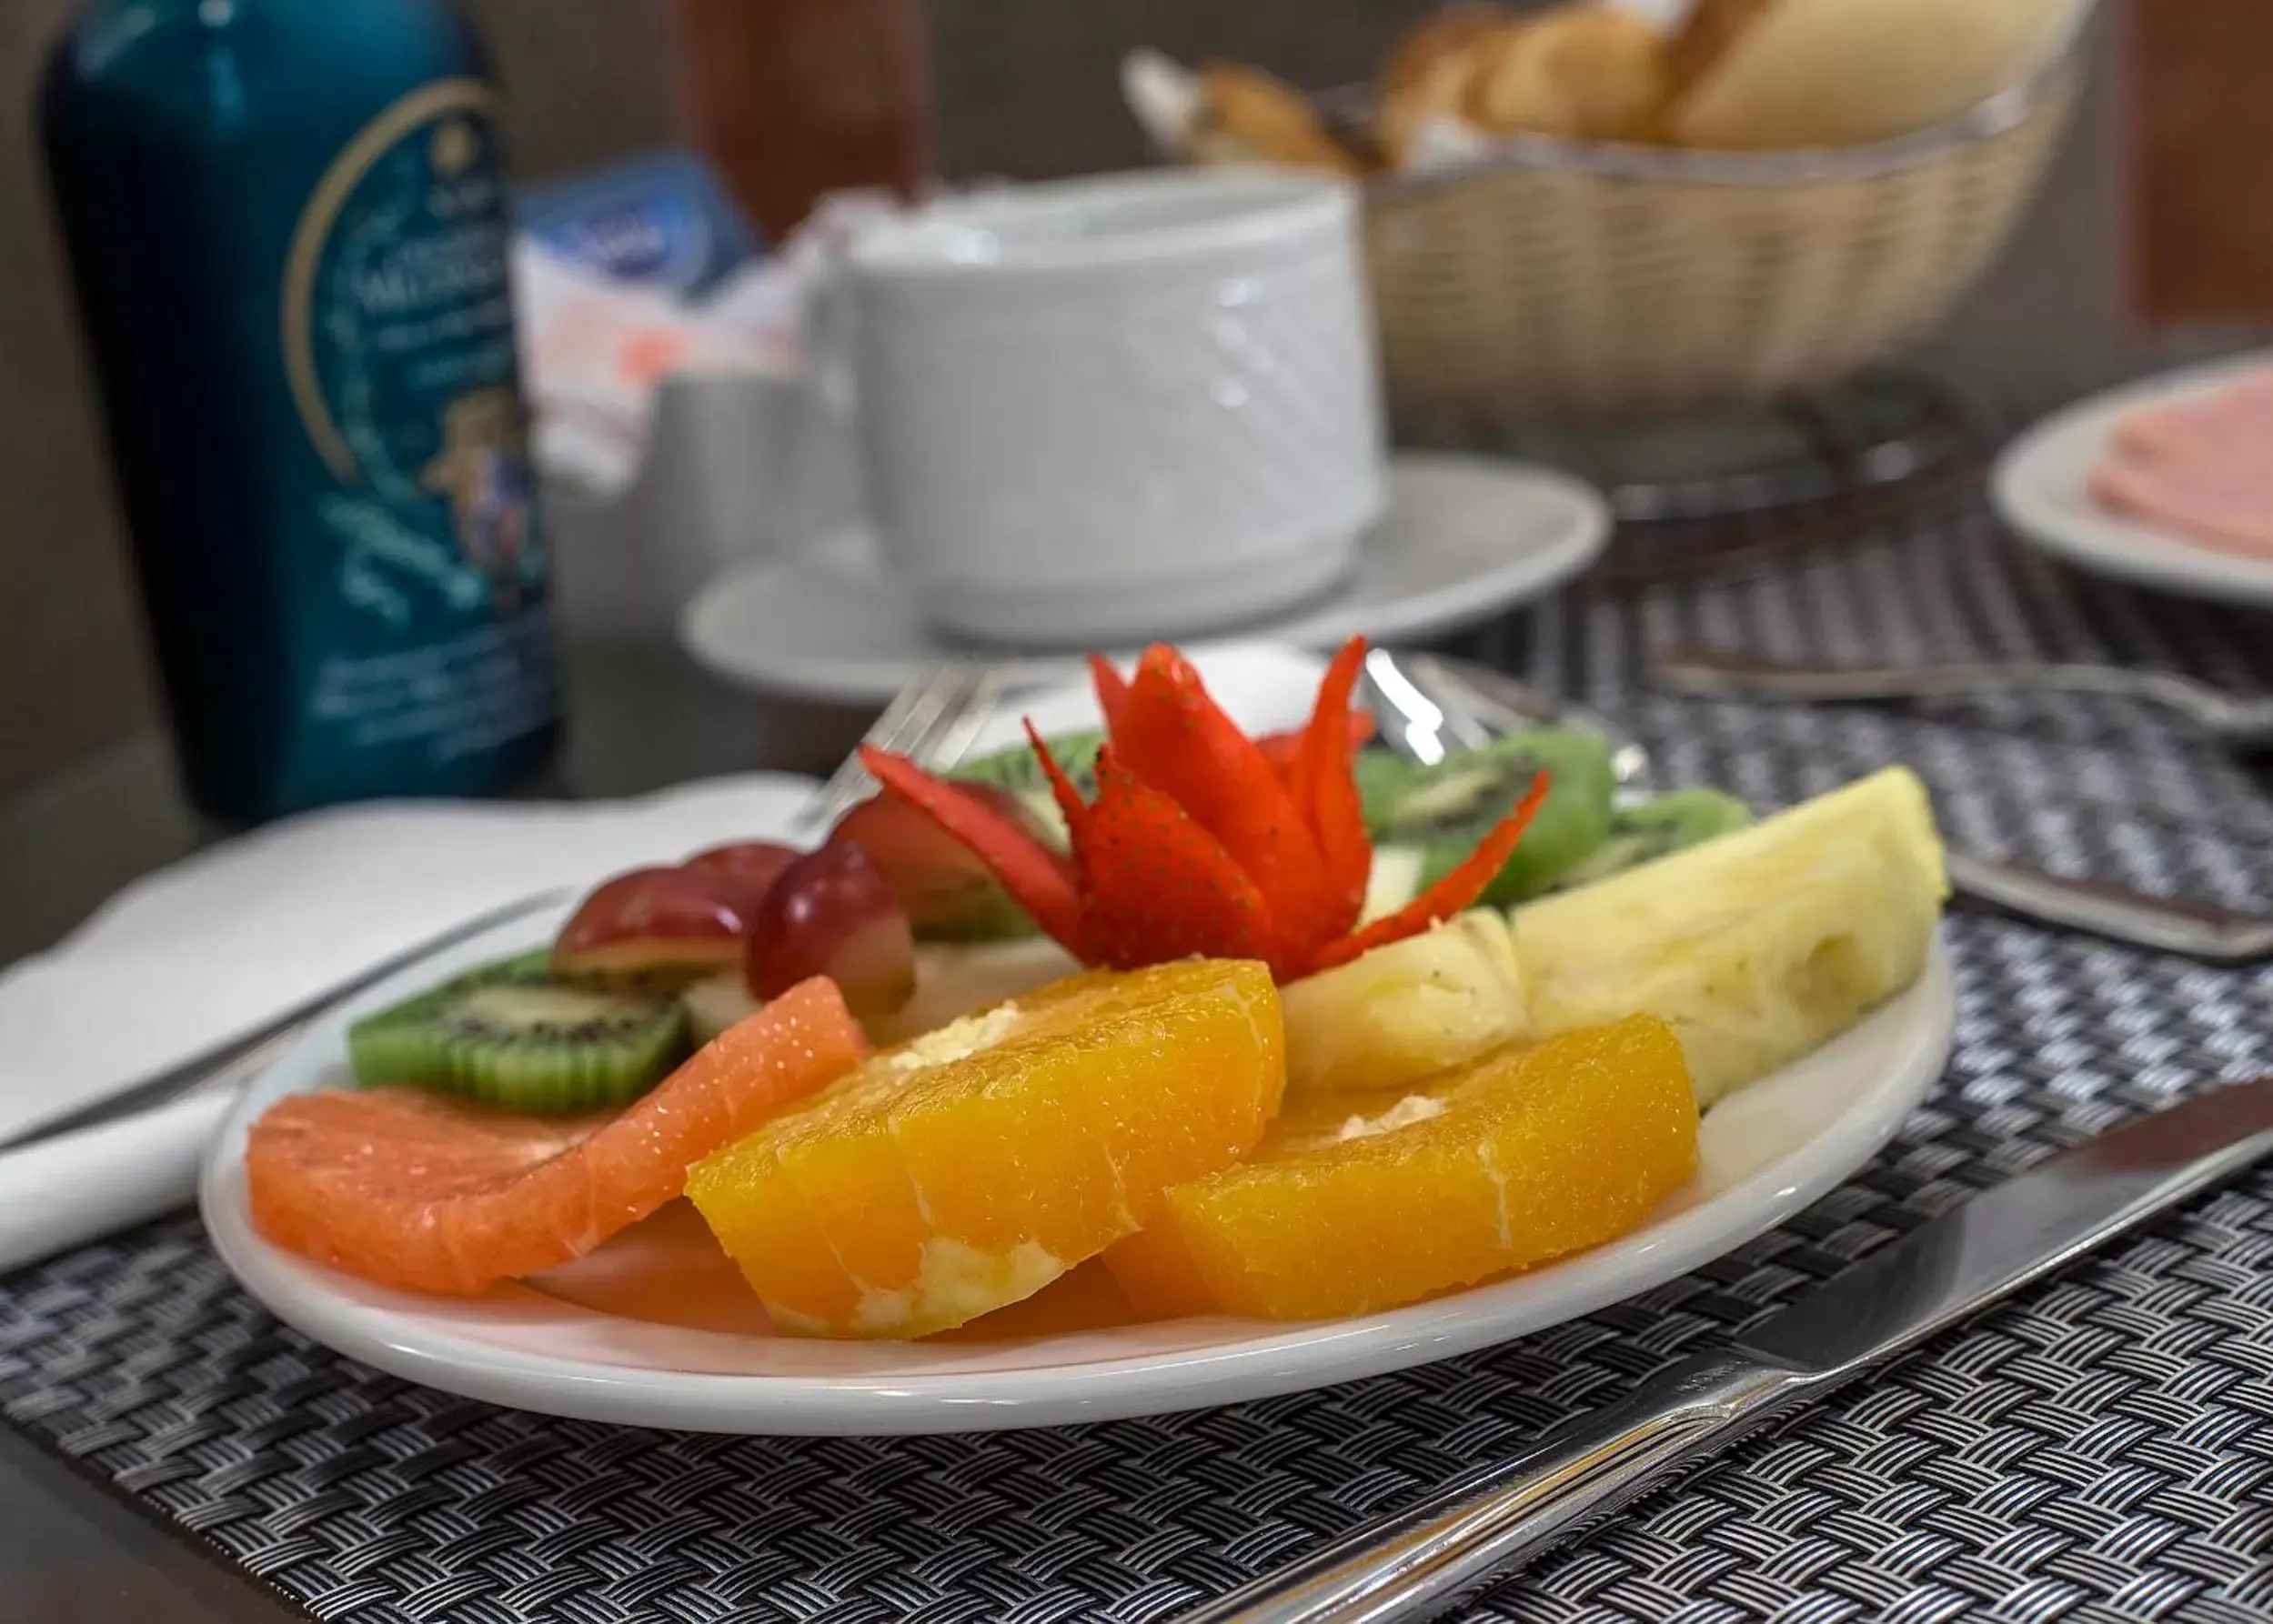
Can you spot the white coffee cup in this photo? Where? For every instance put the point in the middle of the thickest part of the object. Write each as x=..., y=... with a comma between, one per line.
x=1115, y=408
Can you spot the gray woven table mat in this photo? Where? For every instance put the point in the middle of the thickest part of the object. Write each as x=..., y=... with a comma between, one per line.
x=2101, y=1448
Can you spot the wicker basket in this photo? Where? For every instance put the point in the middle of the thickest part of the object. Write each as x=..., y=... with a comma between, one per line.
x=1555, y=280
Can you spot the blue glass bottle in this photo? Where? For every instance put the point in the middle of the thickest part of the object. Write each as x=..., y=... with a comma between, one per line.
x=286, y=222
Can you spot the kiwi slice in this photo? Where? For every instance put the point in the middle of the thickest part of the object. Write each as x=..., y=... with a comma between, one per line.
x=1016, y=770
x=1447, y=808
x=1382, y=779
x=510, y=1034
x=1658, y=827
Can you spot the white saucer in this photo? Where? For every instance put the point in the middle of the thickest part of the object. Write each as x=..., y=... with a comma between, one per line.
x=2039, y=490
x=1463, y=538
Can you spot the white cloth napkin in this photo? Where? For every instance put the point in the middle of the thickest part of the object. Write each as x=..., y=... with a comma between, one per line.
x=214, y=946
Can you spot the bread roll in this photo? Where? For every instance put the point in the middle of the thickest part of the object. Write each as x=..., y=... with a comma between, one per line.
x=1424, y=47
x=1712, y=26
x=1762, y=73
x=1438, y=91
x=1248, y=117
x=1579, y=72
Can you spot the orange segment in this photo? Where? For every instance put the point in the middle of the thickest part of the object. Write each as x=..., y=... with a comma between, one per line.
x=970, y=1168
x=1356, y=1203
x=410, y=1188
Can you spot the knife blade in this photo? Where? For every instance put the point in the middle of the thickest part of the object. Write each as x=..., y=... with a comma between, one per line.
x=236, y=1059
x=1413, y=1563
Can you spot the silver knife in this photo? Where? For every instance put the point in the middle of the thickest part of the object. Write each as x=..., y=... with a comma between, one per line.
x=1411, y=1564
x=237, y=1059
x=2203, y=930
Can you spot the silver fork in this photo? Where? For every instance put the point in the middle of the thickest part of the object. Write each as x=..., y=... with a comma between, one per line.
x=1463, y=701
x=933, y=719
x=2236, y=719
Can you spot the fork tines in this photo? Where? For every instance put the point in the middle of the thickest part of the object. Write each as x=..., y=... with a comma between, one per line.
x=933, y=720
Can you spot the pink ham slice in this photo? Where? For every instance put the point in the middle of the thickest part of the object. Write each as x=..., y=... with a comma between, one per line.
x=2201, y=469
x=2234, y=421
x=2232, y=513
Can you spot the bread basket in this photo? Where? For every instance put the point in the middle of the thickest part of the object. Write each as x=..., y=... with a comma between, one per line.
x=1571, y=281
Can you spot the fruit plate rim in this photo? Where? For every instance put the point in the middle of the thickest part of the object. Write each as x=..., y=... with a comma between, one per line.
x=529, y=1350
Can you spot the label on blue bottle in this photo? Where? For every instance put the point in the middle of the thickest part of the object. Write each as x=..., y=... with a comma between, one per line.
x=398, y=337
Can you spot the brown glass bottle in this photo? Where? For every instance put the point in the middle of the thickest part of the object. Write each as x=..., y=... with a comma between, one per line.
x=795, y=98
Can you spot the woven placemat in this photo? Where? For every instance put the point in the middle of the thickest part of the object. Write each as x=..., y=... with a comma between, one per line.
x=2100, y=1449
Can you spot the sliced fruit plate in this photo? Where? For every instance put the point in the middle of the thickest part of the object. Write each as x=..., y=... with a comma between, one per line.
x=1289, y=1138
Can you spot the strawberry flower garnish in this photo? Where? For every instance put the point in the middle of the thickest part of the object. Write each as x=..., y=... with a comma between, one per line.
x=1201, y=841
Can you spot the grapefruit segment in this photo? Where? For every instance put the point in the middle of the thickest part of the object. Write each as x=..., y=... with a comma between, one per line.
x=967, y=1168
x=407, y=1188
x=1354, y=1203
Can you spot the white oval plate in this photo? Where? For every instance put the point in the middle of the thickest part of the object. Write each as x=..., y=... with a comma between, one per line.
x=2038, y=490
x=1766, y=1153
x=1463, y=538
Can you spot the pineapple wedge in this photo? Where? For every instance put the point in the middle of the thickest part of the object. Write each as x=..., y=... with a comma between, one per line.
x=1405, y=1010
x=1757, y=946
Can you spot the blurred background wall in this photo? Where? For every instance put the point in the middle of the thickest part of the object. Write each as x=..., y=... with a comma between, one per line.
x=1025, y=89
